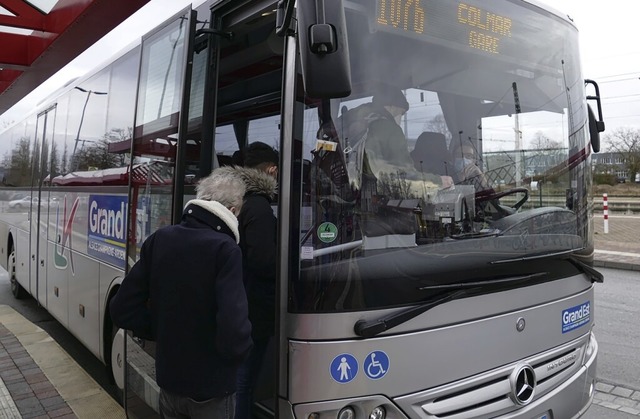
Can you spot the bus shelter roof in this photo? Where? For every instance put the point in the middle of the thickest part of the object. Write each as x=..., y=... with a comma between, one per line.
x=39, y=37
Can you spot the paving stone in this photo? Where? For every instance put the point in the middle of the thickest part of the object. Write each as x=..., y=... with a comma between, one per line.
x=55, y=401
x=636, y=395
x=35, y=414
x=610, y=405
x=621, y=391
x=23, y=360
x=630, y=410
x=604, y=396
x=623, y=401
x=605, y=388
x=36, y=378
x=29, y=405
x=60, y=412
x=18, y=388
x=46, y=394
x=23, y=396
x=42, y=386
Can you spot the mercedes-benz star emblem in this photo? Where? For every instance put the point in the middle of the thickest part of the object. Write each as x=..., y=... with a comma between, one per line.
x=520, y=324
x=523, y=383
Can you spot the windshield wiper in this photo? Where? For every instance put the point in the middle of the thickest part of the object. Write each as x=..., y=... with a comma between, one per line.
x=371, y=328
x=477, y=235
x=593, y=274
x=509, y=280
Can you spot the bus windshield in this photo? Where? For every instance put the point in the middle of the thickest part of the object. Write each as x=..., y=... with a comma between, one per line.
x=441, y=171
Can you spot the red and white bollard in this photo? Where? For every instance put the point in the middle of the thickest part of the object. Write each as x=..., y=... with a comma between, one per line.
x=605, y=207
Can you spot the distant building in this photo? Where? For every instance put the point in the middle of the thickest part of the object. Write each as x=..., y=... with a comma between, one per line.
x=610, y=163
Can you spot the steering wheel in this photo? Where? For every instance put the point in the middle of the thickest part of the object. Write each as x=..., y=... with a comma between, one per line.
x=492, y=195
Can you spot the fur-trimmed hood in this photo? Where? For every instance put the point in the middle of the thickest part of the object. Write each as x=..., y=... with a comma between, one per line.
x=258, y=182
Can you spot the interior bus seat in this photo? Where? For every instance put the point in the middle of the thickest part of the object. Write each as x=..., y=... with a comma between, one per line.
x=431, y=155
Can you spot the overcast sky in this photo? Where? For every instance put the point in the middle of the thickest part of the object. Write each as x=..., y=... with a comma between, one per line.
x=609, y=47
x=610, y=54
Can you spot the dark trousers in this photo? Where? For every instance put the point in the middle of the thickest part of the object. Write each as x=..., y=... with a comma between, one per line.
x=173, y=406
x=248, y=374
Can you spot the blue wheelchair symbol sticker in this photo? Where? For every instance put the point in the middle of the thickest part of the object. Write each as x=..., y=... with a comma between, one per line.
x=376, y=365
x=344, y=368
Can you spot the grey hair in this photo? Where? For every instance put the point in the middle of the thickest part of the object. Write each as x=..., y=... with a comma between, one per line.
x=224, y=185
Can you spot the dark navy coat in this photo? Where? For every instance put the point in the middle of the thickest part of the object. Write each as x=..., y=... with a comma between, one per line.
x=186, y=293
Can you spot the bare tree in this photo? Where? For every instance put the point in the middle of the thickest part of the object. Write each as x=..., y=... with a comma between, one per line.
x=64, y=160
x=54, y=162
x=95, y=156
x=625, y=142
x=542, y=142
x=438, y=124
x=18, y=162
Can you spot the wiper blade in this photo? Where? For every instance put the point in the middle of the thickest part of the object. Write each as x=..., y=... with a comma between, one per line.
x=477, y=235
x=593, y=274
x=509, y=280
x=537, y=256
x=371, y=328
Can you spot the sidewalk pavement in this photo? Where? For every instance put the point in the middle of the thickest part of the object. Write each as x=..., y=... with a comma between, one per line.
x=620, y=248
x=38, y=379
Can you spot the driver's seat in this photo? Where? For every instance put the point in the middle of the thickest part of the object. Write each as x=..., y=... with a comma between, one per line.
x=431, y=155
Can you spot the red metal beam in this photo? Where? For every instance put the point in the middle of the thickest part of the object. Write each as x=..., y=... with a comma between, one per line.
x=26, y=17
x=69, y=29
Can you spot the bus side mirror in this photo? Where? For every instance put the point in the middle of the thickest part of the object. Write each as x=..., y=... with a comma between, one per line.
x=324, y=52
x=596, y=126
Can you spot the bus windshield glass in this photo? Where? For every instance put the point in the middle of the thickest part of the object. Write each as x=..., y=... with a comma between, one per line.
x=462, y=149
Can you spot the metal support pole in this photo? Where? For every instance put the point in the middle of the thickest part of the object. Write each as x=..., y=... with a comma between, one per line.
x=605, y=206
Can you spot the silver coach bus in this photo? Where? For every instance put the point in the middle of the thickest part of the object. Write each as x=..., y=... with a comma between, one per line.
x=453, y=279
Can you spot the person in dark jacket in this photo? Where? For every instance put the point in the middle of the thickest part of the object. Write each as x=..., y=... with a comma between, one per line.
x=186, y=293
x=258, y=226
x=376, y=144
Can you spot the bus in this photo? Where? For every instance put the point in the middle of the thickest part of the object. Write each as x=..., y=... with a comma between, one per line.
x=397, y=294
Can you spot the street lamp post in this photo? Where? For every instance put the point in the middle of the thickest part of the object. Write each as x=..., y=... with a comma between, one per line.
x=84, y=108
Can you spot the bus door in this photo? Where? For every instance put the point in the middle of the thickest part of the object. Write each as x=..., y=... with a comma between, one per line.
x=247, y=82
x=39, y=210
x=155, y=173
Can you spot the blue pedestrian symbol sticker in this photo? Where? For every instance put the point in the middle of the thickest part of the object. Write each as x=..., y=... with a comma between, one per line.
x=376, y=365
x=344, y=368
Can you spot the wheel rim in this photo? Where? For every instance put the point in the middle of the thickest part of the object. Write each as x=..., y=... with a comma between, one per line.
x=117, y=358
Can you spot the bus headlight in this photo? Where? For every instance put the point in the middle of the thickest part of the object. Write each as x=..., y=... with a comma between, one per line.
x=378, y=413
x=347, y=413
x=589, y=348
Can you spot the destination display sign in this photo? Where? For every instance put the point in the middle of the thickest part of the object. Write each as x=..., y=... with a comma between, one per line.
x=489, y=27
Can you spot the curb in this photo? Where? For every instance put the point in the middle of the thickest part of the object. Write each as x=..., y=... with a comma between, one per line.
x=599, y=263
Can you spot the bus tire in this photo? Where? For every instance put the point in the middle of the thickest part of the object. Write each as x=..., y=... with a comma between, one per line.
x=16, y=289
x=118, y=357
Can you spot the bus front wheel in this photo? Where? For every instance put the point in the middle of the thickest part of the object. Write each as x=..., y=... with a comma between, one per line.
x=16, y=289
x=117, y=357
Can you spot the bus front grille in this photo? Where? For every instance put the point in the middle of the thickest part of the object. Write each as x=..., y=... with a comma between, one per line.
x=491, y=393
